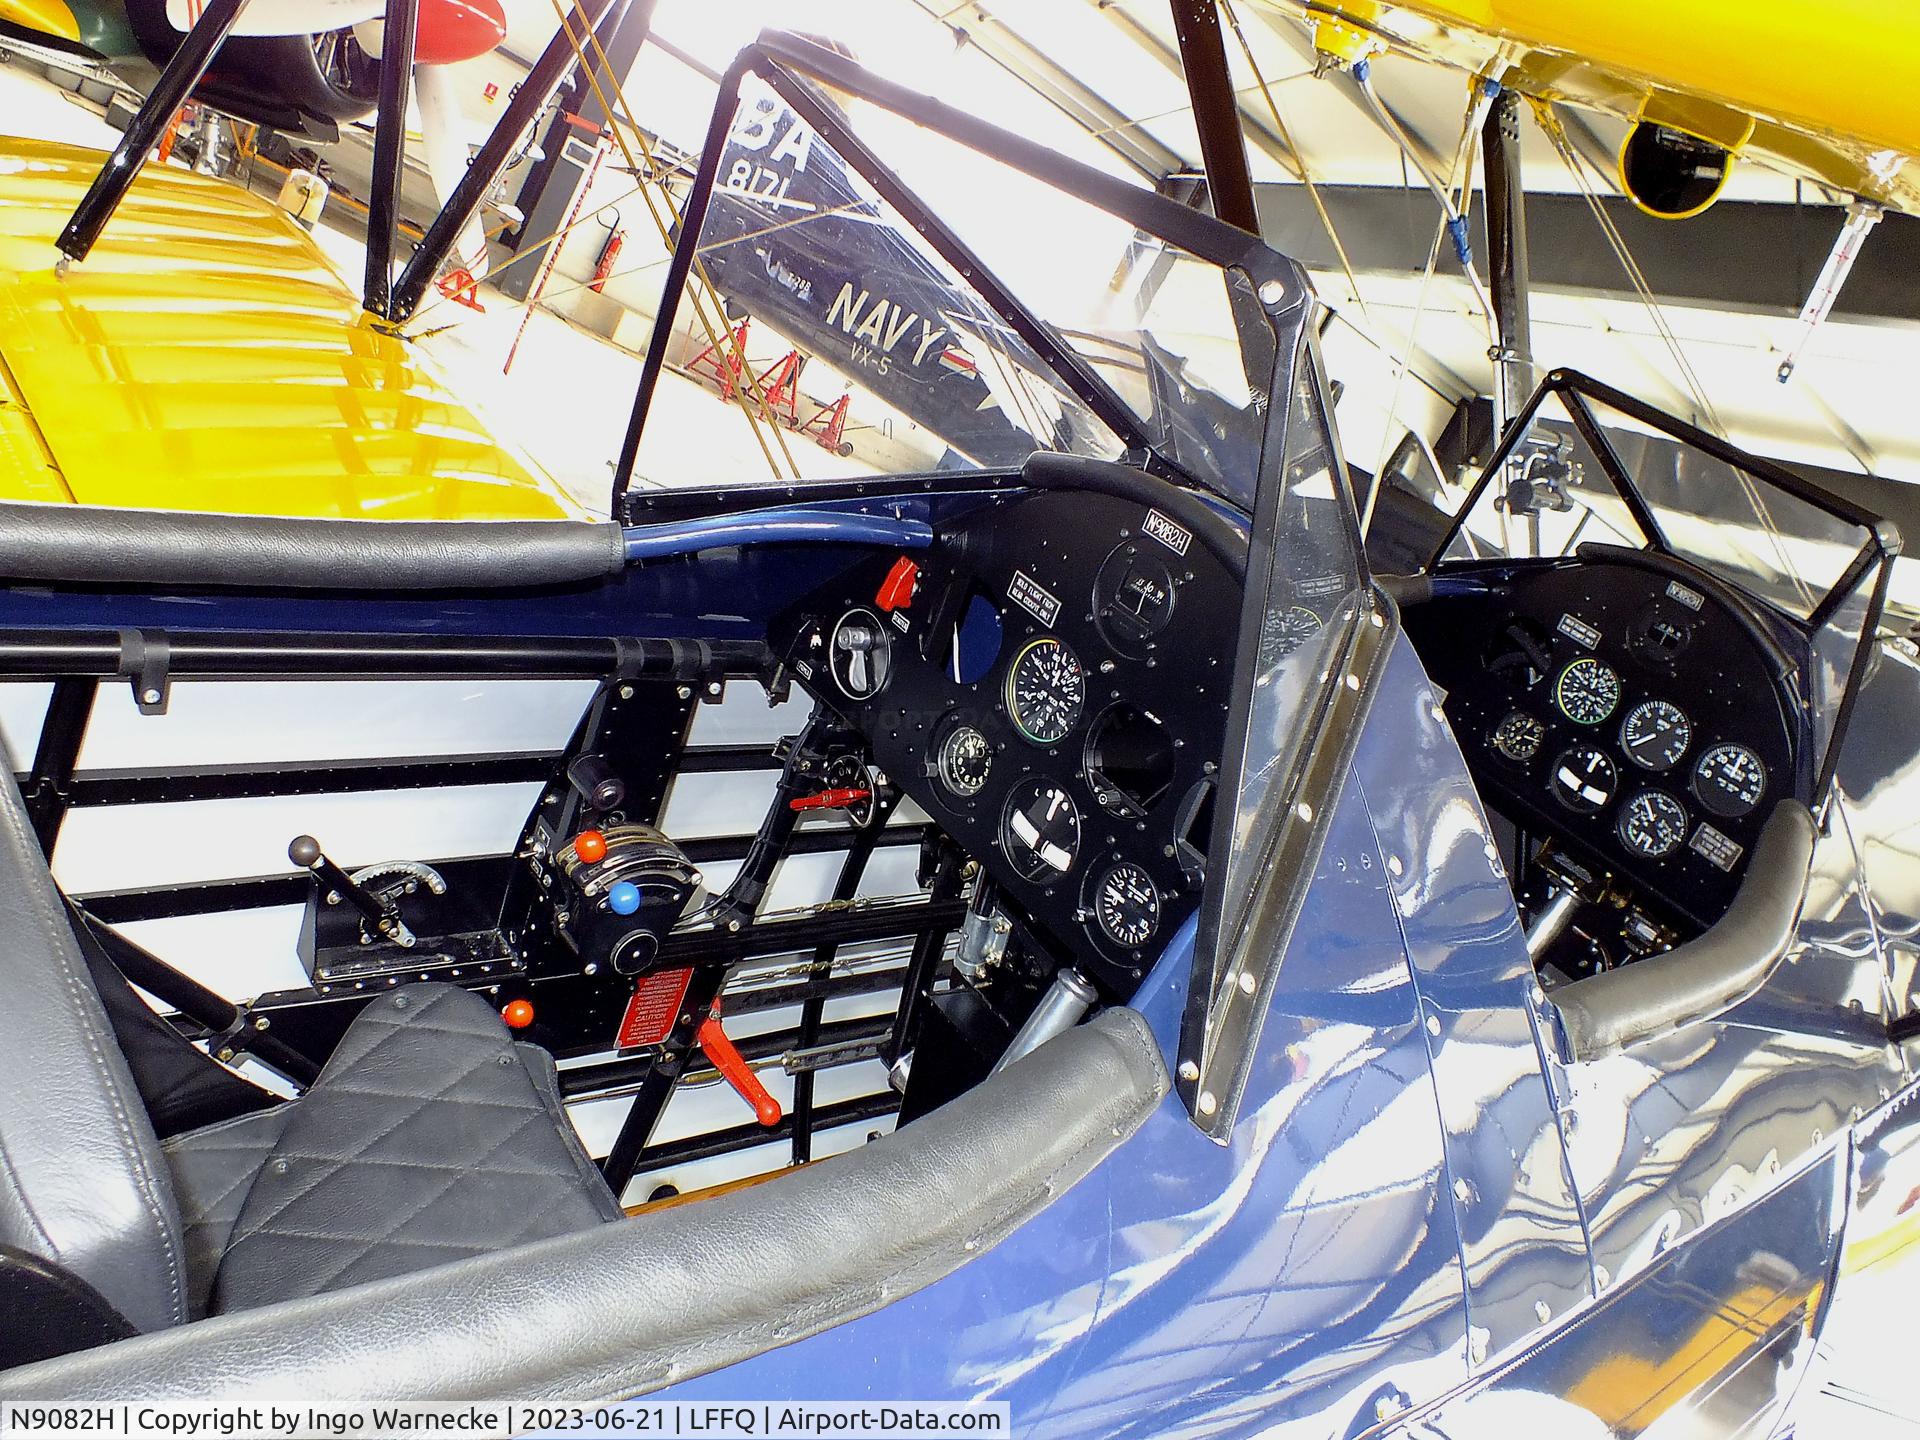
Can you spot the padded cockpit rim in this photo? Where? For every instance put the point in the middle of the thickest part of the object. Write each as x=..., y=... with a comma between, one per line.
x=630, y=1307
x=96, y=545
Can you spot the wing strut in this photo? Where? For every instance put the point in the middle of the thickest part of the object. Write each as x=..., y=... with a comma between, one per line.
x=143, y=132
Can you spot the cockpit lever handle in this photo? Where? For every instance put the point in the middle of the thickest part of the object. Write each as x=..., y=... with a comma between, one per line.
x=381, y=914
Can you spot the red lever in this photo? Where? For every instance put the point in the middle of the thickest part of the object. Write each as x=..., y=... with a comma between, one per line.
x=896, y=591
x=719, y=1049
x=830, y=799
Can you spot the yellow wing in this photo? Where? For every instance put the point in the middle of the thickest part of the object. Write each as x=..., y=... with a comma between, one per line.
x=1828, y=91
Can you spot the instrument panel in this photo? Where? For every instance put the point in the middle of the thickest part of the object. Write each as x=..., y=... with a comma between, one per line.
x=1634, y=712
x=1053, y=692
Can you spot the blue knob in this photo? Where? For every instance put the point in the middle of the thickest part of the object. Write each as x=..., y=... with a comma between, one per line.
x=623, y=899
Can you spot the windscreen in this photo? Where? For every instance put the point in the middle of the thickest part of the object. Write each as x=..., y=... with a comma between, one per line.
x=838, y=328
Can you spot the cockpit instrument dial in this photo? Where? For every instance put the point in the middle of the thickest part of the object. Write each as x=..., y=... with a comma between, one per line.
x=1584, y=779
x=1126, y=906
x=1518, y=736
x=1729, y=780
x=963, y=762
x=860, y=654
x=1587, y=691
x=1046, y=689
x=1133, y=598
x=1284, y=631
x=1652, y=824
x=1656, y=734
x=1041, y=831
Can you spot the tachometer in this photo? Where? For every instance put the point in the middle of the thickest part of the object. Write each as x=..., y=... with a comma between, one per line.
x=1656, y=734
x=1652, y=824
x=1040, y=833
x=1046, y=689
x=1126, y=906
x=1584, y=779
x=963, y=761
x=1729, y=780
x=1587, y=691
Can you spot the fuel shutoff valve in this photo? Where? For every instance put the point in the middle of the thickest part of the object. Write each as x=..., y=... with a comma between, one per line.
x=733, y=1068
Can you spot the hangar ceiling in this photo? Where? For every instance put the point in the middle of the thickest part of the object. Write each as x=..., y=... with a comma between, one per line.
x=1104, y=80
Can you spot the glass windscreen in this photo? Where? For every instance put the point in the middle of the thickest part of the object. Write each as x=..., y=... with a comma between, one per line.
x=835, y=332
x=1312, y=597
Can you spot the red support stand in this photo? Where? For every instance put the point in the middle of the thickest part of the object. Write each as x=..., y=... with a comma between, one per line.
x=829, y=425
x=780, y=383
x=723, y=368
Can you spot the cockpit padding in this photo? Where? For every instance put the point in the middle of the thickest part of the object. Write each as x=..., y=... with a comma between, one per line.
x=1708, y=975
x=90, y=544
x=627, y=1308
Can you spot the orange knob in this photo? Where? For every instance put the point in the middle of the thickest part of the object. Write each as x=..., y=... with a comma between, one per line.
x=518, y=1014
x=590, y=846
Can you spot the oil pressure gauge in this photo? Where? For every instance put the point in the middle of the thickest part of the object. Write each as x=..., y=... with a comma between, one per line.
x=1652, y=824
x=1126, y=905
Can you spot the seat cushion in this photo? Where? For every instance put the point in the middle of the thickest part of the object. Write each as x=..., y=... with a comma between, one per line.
x=429, y=1136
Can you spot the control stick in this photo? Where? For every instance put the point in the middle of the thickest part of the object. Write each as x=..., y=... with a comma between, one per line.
x=381, y=913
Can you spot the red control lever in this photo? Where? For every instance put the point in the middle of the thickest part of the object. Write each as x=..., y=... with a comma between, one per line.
x=830, y=799
x=719, y=1049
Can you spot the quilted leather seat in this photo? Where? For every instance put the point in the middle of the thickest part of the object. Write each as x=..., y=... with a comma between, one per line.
x=429, y=1136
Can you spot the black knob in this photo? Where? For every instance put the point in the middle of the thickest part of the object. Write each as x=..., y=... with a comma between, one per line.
x=304, y=851
x=596, y=781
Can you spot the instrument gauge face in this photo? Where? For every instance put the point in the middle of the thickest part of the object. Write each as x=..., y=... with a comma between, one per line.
x=1584, y=779
x=1652, y=824
x=1133, y=599
x=1046, y=689
x=1040, y=832
x=1284, y=631
x=1656, y=734
x=1126, y=906
x=1518, y=736
x=860, y=654
x=964, y=761
x=1729, y=780
x=1587, y=691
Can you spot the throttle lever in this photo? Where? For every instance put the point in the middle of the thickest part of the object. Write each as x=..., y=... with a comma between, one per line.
x=380, y=913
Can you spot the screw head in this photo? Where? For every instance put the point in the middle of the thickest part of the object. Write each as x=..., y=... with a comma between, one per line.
x=1272, y=292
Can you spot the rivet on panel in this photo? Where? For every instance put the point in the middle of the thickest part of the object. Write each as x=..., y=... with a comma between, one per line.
x=1433, y=1024
x=1208, y=1104
x=1189, y=1070
x=1542, y=1311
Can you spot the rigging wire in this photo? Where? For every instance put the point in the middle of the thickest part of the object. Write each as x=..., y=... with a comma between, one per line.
x=1756, y=500
x=1299, y=157
x=1401, y=364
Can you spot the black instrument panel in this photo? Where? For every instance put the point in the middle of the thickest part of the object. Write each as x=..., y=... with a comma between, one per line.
x=1632, y=710
x=1054, y=695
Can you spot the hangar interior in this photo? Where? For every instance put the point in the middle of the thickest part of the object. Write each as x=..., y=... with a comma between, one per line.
x=1464, y=245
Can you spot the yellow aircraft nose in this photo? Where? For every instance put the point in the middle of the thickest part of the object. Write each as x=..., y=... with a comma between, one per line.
x=49, y=17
